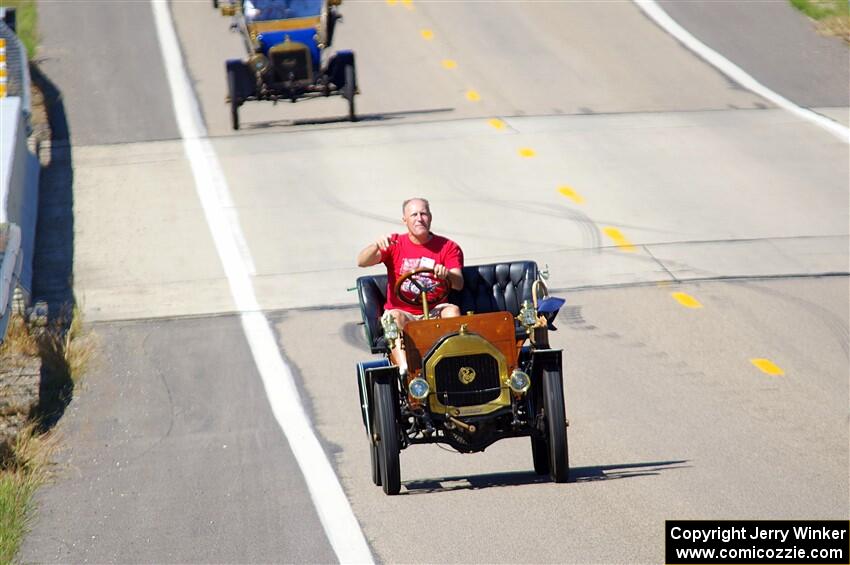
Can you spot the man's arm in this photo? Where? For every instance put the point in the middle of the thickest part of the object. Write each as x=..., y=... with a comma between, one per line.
x=456, y=279
x=372, y=253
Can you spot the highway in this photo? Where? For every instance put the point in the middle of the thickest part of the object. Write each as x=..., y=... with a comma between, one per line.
x=693, y=227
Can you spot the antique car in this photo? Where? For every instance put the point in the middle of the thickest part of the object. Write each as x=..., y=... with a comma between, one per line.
x=286, y=43
x=471, y=380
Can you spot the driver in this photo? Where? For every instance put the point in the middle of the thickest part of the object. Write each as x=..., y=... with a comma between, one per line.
x=418, y=248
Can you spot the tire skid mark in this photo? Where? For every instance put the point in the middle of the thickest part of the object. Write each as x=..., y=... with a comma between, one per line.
x=590, y=234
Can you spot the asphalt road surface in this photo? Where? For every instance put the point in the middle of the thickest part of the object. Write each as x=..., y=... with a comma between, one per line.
x=625, y=163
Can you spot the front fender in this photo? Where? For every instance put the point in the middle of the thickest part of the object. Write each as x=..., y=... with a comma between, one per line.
x=246, y=82
x=366, y=372
x=336, y=67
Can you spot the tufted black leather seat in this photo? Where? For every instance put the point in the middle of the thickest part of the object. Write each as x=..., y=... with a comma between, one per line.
x=497, y=287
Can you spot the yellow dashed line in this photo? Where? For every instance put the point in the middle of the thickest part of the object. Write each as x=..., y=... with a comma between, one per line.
x=408, y=4
x=427, y=34
x=497, y=123
x=571, y=194
x=472, y=96
x=527, y=152
x=449, y=64
x=686, y=300
x=619, y=240
x=767, y=367
x=392, y=2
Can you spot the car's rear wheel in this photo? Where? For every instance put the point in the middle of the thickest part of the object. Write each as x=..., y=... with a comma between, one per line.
x=540, y=454
x=556, y=426
x=349, y=90
x=215, y=4
x=234, y=100
x=388, y=437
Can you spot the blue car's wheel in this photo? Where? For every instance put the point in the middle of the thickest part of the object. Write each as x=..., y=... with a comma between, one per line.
x=349, y=90
x=234, y=100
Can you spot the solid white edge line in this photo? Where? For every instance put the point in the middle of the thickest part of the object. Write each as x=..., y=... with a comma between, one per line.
x=340, y=525
x=736, y=73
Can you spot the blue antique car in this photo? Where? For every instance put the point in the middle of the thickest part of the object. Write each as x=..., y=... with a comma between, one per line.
x=286, y=43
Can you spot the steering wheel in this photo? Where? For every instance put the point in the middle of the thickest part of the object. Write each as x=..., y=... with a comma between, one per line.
x=437, y=290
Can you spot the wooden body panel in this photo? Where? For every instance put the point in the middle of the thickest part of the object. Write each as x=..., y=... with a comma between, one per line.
x=496, y=327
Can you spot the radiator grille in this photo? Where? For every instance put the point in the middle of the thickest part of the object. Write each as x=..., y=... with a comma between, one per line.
x=291, y=64
x=483, y=389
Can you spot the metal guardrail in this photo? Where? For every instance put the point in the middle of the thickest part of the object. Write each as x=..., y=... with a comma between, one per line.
x=19, y=175
x=11, y=261
x=17, y=67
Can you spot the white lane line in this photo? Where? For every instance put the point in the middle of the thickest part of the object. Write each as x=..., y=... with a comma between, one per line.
x=736, y=73
x=341, y=527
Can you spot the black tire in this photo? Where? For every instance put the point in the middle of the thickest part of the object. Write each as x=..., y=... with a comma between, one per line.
x=388, y=437
x=234, y=100
x=215, y=4
x=540, y=454
x=375, y=456
x=556, y=426
x=376, y=464
x=349, y=90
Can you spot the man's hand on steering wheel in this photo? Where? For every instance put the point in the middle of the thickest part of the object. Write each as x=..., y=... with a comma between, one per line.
x=436, y=291
x=441, y=272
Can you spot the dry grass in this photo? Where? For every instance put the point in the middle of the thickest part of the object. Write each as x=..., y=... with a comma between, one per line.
x=19, y=339
x=66, y=348
x=80, y=347
x=838, y=26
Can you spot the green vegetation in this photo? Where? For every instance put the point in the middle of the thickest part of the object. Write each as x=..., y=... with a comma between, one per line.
x=23, y=471
x=821, y=9
x=27, y=23
x=832, y=16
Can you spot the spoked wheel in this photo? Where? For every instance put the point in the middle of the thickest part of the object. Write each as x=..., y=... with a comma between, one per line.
x=556, y=426
x=349, y=91
x=234, y=100
x=388, y=438
x=540, y=454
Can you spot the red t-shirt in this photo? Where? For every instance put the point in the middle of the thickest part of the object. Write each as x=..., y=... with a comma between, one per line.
x=404, y=256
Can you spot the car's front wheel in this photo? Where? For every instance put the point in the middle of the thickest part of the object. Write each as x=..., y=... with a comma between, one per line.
x=349, y=90
x=374, y=454
x=388, y=437
x=556, y=426
x=540, y=455
x=234, y=99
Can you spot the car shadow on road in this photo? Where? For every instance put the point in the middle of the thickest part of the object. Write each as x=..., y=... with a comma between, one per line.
x=624, y=470
x=53, y=259
x=518, y=478
x=380, y=117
